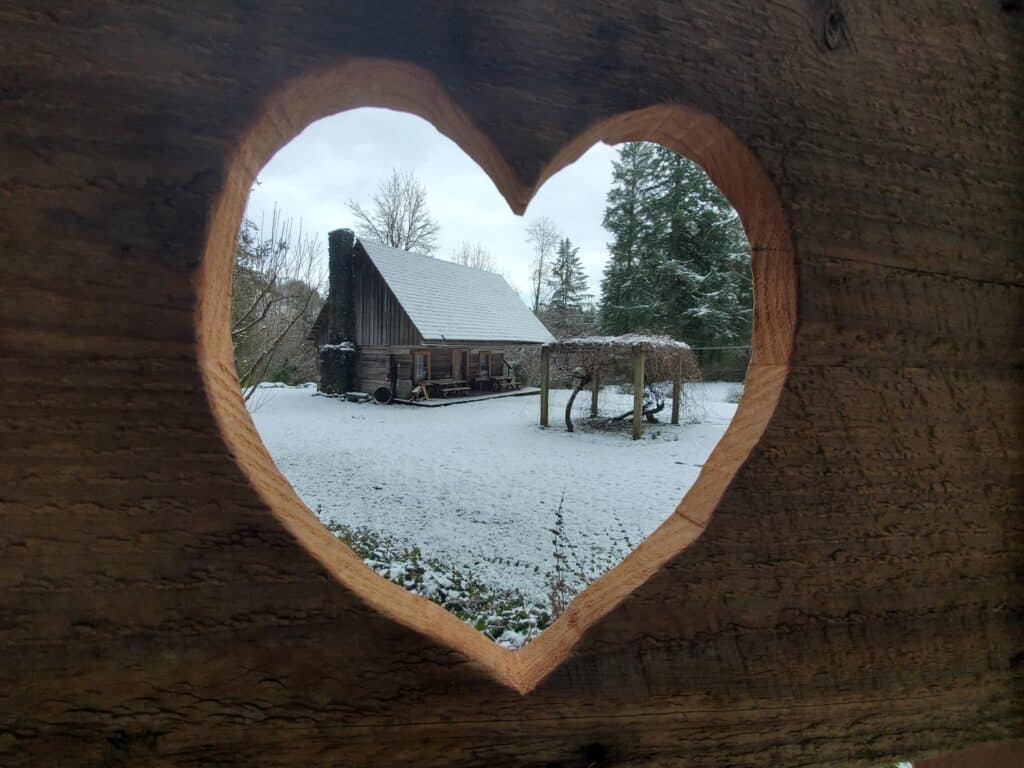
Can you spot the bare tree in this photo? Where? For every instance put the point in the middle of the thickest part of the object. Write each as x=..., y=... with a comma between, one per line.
x=276, y=294
x=543, y=236
x=474, y=255
x=398, y=216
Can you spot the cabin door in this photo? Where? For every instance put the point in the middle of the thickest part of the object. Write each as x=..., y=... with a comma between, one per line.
x=459, y=358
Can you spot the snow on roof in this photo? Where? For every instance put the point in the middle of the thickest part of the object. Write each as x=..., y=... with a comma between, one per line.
x=450, y=302
x=626, y=340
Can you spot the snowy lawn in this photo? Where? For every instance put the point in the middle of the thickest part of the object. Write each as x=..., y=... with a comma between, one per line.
x=478, y=485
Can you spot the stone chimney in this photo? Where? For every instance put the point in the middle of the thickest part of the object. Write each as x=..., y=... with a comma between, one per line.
x=338, y=357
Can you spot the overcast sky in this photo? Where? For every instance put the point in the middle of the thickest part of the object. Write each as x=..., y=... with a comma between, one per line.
x=345, y=157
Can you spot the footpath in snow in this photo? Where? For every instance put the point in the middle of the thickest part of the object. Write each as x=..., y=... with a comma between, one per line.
x=479, y=484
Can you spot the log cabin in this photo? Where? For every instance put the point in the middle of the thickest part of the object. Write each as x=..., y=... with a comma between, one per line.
x=399, y=320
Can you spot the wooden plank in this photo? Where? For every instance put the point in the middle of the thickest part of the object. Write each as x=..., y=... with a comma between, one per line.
x=677, y=388
x=380, y=319
x=545, y=385
x=638, y=392
x=855, y=597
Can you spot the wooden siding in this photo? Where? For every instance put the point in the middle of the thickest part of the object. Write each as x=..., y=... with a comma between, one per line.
x=497, y=360
x=375, y=365
x=380, y=319
x=441, y=357
x=851, y=590
x=441, y=362
x=373, y=368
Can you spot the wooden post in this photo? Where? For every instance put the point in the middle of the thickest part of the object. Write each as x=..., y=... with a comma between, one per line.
x=677, y=386
x=593, y=396
x=638, y=392
x=545, y=384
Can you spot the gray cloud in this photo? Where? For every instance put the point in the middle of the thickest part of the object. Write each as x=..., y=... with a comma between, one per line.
x=345, y=156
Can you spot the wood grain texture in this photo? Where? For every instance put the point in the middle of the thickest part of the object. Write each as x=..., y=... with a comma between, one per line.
x=841, y=586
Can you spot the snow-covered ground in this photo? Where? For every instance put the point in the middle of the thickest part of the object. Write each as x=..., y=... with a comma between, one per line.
x=479, y=484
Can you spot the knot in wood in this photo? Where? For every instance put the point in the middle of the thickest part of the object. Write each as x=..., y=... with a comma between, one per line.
x=835, y=32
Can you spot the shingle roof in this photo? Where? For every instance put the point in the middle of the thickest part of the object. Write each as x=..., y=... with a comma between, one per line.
x=449, y=302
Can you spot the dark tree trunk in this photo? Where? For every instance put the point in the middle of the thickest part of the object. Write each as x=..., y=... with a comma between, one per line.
x=580, y=384
x=657, y=405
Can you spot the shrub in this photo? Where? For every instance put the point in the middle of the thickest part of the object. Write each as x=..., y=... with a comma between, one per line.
x=504, y=615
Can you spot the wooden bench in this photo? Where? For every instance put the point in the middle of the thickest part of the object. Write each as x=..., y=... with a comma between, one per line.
x=448, y=387
x=502, y=383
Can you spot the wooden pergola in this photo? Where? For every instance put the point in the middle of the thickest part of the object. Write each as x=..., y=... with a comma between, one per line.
x=635, y=346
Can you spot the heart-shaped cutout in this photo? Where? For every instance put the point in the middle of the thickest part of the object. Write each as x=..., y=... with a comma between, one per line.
x=376, y=83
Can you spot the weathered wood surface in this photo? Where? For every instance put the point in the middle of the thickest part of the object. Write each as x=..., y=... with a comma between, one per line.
x=677, y=387
x=839, y=587
x=638, y=392
x=380, y=319
x=545, y=387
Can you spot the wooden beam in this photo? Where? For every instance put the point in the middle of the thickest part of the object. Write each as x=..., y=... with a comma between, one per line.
x=1004, y=754
x=593, y=396
x=545, y=384
x=638, y=392
x=677, y=387
x=906, y=322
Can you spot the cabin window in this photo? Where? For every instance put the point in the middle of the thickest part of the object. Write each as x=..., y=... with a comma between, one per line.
x=485, y=364
x=420, y=366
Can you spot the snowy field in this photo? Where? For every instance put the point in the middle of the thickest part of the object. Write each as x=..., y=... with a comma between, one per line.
x=479, y=484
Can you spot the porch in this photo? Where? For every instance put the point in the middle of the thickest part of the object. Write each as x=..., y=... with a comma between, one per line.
x=471, y=398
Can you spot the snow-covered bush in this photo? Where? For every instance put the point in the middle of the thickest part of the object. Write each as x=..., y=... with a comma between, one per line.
x=504, y=615
x=524, y=363
x=735, y=393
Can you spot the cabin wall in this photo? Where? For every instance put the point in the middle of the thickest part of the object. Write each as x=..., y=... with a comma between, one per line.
x=440, y=365
x=380, y=320
x=851, y=589
x=375, y=363
x=373, y=369
x=440, y=362
x=497, y=359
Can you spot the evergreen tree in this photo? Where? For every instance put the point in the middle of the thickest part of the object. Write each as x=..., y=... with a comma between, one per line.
x=679, y=260
x=565, y=311
x=626, y=291
x=703, y=270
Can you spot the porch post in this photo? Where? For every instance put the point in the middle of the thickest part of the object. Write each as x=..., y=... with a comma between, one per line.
x=638, y=391
x=677, y=386
x=545, y=384
x=593, y=395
